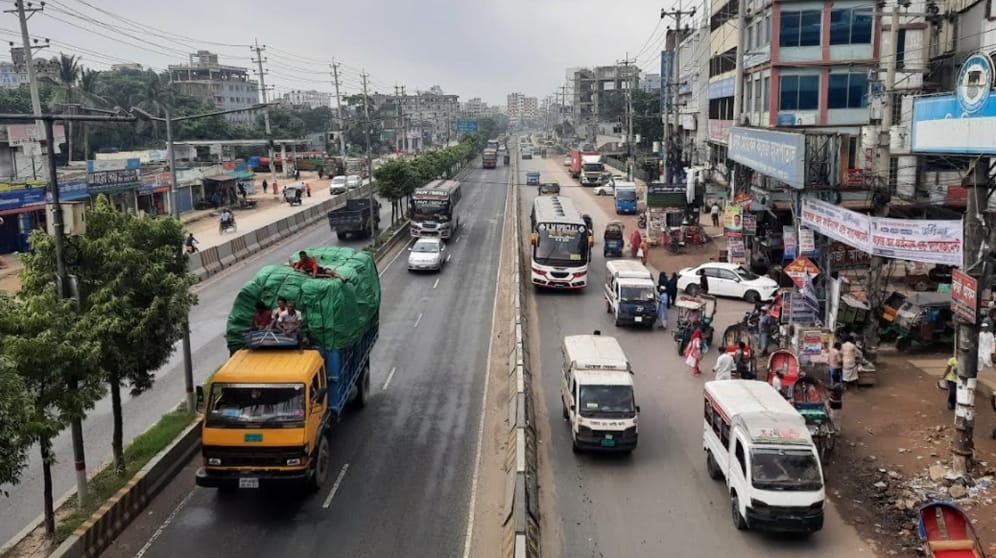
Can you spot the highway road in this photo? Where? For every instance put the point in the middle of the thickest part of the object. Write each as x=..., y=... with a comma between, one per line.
x=207, y=320
x=659, y=501
x=402, y=466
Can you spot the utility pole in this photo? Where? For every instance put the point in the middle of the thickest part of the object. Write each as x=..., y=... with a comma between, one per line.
x=266, y=111
x=404, y=128
x=398, y=141
x=24, y=13
x=338, y=111
x=672, y=153
x=366, y=132
x=629, y=118
x=738, y=80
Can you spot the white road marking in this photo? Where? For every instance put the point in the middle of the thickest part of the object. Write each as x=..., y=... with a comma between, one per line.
x=335, y=487
x=418, y=319
x=390, y=375
x=469, y=535
x=383, y=271
x=162, y=528
x=436, y=284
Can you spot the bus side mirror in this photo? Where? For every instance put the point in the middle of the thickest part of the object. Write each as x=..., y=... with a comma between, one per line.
x=637, y=408
x=200, y=394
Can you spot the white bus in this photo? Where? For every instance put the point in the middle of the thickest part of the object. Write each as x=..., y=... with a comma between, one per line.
x=436, y=209
x=561, y=244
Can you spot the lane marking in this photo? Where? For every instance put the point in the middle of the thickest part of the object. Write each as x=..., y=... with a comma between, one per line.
x=475, y=477
x=417, y=320
x=436, y=284
x=389, y=376
x=162, y=528
x=335, y=486
x=396, y=256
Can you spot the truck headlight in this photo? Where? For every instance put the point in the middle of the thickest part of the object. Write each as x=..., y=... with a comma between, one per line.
x=294, y=461
x=214, y=461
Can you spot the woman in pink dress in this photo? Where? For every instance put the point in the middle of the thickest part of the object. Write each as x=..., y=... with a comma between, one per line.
x=693, y=352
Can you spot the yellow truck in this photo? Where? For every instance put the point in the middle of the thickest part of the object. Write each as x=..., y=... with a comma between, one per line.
x=270, y=407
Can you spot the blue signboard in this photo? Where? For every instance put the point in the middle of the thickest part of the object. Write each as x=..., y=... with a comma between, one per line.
x=778, y=155
x=71, y=191
x=721, y=88
x=466, y=126
x=25, y=197
x=963, y=123
x=667, y=63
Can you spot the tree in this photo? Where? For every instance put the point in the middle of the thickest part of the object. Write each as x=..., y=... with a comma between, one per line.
x=69, y=74
x=15, y=413
x=396, y=180
x=88, y=90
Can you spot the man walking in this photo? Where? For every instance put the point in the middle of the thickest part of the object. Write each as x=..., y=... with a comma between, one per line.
x=715, y=214
x=724, y=365
x=662, y=304
x=835, y=365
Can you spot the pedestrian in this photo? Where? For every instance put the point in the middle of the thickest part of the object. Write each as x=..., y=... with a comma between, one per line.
x=242, y=191
x=672, y=289
x=835, y=403
x=635, y=240
x=987, y=344
x=693, y=352
x=835, y=365
x=704, y=283
x=763, y=328
x=274, y=187
x=850, y=355
x=777, y=383
x=297, y=175
x=265, y=185
x=662, y=304
x=643, y=251
x=191, y=244
x=725, y=365
x=742, y=360
x=951, y=382
x=715, y=214
x=662, y=280
x=307, y=188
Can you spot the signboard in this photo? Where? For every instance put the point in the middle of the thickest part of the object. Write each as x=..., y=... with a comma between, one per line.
x=798, y=269
x=23, y=134
x=736, y=251
x=466, y=126
x=17, y=199
x=733, y=221
x=841, y=256
x=791, y=246
x=778, y=155
x=963, y=291
x=810, y=342
x=918, y=240
x=807, y=242
x=667, y=73
x=76, y=190
x=750, y=224
x=660, y=194
x=850, y=227
x=719, y=130
x=963, y=123
x=743, y=199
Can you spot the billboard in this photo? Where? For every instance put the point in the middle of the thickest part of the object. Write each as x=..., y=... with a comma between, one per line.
x=963, y=123
x=466, y=126
x=667, y=65
x=779, y=155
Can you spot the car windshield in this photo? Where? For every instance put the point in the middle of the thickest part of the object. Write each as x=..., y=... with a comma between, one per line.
x=637, y=294
x=253, y=405
x=425, y=247
x=605, y=401
x=626, y=195
x=550, y=188
x=746, y=274
x=561, y=245
x=339, y=180
x=785, y=470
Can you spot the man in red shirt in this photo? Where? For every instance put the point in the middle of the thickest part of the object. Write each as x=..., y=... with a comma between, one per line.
x=307, y=264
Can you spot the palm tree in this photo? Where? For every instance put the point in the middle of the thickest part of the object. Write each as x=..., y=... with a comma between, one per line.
x=69, y=74
x=154, y=97
x=88, y=84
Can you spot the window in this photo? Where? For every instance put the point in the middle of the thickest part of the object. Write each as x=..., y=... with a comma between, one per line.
x=851, y=26
x=800, y=29
x=741, y=458
x=721, y=109
x=724, y=434
x=766, y=91
x=726, y=13
x=766, y=26
x=799, y=93
x=757, y=94
x=722, y=63
x=900, y=49
x=848, y=91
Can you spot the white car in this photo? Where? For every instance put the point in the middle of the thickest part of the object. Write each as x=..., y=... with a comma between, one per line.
x=607, y=189
x=567, y=161
x=353, y=181
x=337, y=186
x=728, y=279
x=428, y=254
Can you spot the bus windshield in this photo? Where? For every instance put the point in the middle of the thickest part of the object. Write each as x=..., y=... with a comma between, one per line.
x=437, y=209
x=561, y=245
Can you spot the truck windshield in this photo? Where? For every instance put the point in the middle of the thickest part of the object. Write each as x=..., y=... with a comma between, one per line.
x=787, y=470
x=255, y=405
x=626, y=195
x=637, y=294
x=561, y=245
x=606, y=401
x=432, y=209
x=593, y=167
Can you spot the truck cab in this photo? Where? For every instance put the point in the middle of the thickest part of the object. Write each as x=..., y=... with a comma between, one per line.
x=625, y=198
x=597, y=394
x=630, y=293
x=592, y=170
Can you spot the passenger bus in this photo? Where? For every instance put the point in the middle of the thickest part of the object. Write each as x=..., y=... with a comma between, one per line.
x=561, y=244
x=436, y=209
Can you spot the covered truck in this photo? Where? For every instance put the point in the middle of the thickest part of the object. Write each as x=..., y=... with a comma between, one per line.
x=489, y=159
x=269, y=409
x=353, y=219
x=577, y=161
x=592, y=170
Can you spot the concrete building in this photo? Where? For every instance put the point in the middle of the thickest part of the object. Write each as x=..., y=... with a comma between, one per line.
x=44, y=68
x=474, y=108
x=690, y=92
x=9, y=78
x=723, y=36
x=650, y=82
x=126, y=67
x=521, y=107
x=311, y=99
x=224, y=87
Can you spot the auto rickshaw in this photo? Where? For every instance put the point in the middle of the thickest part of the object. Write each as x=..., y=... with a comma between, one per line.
x=532, y=178
x=613, y=239
x=293, y=194
x=694, y=312
x=924, y=318
x=732, y=337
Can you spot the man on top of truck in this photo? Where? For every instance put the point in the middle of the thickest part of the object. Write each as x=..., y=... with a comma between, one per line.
x=309, y=265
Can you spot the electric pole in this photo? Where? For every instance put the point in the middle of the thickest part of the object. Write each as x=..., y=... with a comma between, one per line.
x=671, y=154
x=338, y=111
x=629, y=117
x=366, y=132
x=266, y=110
x=738, y=80
x=24, y=13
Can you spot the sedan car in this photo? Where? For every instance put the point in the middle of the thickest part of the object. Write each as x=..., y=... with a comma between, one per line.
x=567, y=161
x=353, y=181
x=527, y=153
x=727, y=279
x=549, y=189
x=428, y=254
x=338, y=185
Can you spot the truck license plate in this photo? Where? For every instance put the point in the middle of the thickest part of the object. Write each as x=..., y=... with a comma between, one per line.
x=248, y=482
x=608, y=443
x=638, y=319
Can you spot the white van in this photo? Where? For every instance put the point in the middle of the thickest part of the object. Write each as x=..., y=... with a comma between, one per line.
x=596, y=392
x=630, y=293
x=760, y=444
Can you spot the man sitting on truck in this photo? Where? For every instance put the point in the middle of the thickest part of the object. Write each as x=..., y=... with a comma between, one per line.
x=263, y=317
x=289, y=321
x=309, y=265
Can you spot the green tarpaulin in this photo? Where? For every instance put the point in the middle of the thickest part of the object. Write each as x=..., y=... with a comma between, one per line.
x=336, y=313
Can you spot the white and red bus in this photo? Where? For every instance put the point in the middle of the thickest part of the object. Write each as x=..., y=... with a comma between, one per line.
x=561, y=244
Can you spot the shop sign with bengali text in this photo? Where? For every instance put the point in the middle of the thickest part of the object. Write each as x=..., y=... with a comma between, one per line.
x=736, y=250
x=918, y=240
x=799, y=268
x=807, y=242
x=750, y=224
x=789, y=242
x=841, y=256
x=964, y=289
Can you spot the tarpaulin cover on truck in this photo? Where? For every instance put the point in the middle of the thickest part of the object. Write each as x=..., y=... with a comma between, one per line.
x=336, y=313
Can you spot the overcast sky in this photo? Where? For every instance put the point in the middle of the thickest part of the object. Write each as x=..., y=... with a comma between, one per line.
x=471, y=48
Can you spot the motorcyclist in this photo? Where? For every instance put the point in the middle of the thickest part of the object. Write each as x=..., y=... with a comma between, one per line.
x=227, y=219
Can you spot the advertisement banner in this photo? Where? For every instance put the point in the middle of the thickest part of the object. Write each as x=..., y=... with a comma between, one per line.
x=733, y=221
x=667, y=74
x=750, y=224
x=918, y=240
x=789, y=242
x=776, y=154
x=963, y=291
x=841, y=256
x=736, y=251
x=799, y=268
x=850, y=227
x=17, y=199
x=807, y=242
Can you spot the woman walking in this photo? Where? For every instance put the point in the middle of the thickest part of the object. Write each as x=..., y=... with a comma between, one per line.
x=693, y=352
x=662, y=304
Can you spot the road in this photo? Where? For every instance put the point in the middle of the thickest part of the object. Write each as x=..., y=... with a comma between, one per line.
x=660, y=500
x=403, y=465
x=207, y=320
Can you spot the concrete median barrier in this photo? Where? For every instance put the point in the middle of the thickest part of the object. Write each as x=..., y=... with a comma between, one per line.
x=195, y=265
x=283, y=228
x=211, y=260
x=239, y=247
x=226, y=253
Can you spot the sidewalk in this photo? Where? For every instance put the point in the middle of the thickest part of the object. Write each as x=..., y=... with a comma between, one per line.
x=204, y=223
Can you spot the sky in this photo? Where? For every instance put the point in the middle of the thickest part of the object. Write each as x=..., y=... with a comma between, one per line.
x=471, y=48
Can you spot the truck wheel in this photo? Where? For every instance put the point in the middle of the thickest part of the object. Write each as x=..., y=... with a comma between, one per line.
x=341, y=235
x=363, y=388
x=738, y=520
x=712, y=467
x=320, y=472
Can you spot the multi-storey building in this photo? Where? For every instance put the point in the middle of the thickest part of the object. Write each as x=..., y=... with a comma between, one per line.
x=723, y=29
x=311, y=98
x=224, y=87
x=521, y=107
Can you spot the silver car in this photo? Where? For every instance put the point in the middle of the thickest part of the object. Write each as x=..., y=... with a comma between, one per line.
x=338, y=185
x=353, y=181
x=428, y=254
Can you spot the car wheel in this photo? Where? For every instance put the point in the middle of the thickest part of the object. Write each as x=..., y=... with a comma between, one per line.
x=564, y=409
x=738, y=519
x=752, y=296
x=692, y=289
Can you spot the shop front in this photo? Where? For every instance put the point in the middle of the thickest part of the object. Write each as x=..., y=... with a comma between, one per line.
x=118, y=180
x=22, y=210
x=152, y=194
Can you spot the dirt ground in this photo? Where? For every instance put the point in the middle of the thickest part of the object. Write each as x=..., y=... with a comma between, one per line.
x=880, y=472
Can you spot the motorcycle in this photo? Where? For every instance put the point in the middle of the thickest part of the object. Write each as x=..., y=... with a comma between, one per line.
x=641, y=222
x=226, y=223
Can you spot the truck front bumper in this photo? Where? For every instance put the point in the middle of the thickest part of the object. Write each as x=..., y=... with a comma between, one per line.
x=222, y=478
x=599, y=441
x=638, y=319
x=785, y=520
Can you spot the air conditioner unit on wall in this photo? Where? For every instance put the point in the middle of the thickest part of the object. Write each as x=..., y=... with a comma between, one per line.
x=73, y=218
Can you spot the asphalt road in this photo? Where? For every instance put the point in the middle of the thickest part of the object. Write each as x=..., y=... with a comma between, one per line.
x=659, y=501
x=403, y=465
x=207, y=320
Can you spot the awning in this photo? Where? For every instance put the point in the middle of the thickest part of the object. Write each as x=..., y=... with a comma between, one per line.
x=242, y=174
x=220, y=178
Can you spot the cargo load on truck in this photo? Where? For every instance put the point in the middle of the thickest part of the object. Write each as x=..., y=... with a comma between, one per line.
x=354, y=218
x=489, y=159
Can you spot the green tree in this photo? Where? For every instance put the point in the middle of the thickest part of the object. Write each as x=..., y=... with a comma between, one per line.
x=15, y=413
x=65, y=97
x=396, y=180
